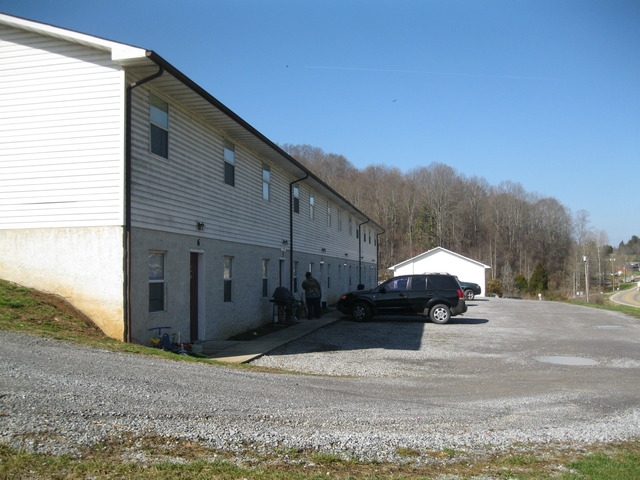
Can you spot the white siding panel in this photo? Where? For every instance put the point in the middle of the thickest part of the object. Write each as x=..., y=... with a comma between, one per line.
x=62, y=140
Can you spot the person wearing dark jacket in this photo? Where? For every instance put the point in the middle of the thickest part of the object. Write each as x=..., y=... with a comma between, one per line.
x=313, y=294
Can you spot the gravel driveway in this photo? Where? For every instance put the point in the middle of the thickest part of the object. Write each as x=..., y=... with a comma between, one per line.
x=509, y=371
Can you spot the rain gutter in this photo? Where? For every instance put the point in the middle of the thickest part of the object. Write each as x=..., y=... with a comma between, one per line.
x=127, y=194
x=291, y=230
x=378, y=251
x=360, y=251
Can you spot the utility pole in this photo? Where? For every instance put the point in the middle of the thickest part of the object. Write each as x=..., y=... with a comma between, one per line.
x=585, y=259
x=613, y=274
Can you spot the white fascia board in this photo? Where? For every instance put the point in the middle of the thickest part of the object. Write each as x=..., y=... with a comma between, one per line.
x=119, y=51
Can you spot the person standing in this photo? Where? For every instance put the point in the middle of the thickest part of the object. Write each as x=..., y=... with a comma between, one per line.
x=313, y=294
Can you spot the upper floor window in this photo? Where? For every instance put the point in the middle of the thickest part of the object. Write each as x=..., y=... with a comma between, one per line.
x=229, y=163
x=296, y=199
x=312, y=204
x=329, y=217
x=350, y=227
x=159, y=126
x=266, y=182
x=339, y=220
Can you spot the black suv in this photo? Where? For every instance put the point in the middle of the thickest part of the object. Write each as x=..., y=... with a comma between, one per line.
x=435, y=295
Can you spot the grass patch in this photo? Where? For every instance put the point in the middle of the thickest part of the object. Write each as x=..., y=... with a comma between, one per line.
x=407, y=452
x=613, y=307
x=28, y=310
x=620, y=465
x=156, y=457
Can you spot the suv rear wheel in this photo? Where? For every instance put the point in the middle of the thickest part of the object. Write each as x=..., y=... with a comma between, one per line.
x=440, y=314
x=361, y=312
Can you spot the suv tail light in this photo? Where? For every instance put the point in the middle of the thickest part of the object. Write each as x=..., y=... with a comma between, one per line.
x=460, y=294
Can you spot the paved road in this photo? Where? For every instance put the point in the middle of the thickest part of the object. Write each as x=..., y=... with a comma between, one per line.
x=509, y=371
x=629, y=297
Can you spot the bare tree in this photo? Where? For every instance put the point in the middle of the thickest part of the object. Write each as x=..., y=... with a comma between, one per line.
x=472, y=209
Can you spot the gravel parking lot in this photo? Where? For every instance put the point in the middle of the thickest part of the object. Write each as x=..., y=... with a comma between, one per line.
x=508, y=371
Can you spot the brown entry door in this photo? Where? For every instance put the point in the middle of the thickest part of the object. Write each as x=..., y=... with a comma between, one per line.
x=193, y=297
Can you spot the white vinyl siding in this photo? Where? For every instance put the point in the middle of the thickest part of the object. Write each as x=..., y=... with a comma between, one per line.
x=62, y=110
x=173, y=195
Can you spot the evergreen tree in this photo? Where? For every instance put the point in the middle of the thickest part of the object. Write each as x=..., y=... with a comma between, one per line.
x=521, y=283
x=539, y=281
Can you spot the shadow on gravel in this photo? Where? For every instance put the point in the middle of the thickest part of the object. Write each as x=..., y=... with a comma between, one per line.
x=384, y=332
x=466, y=321
x=401, y=334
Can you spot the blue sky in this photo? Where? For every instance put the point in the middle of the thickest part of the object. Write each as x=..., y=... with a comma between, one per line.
x=545, y=93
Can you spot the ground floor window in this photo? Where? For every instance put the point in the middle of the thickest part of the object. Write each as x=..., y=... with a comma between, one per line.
x=265, y=277
x=228, y=271
x=156, y=282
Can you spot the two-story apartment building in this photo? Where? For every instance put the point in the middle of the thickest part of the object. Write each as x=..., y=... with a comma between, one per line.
x=131, y=191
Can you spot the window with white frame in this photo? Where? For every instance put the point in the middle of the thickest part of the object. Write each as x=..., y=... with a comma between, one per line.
x=296, y=199
x=265, y=277
x=312, y=204
x=350, y=227
x=339, y=220
x=295, y=277
x=266, y=182
x=229, y=163
x=228, y=272
x=156, y=282
x=159, y=126
x=329, y=218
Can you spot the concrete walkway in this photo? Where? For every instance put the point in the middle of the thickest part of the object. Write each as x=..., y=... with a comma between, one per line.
x=235, y=351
